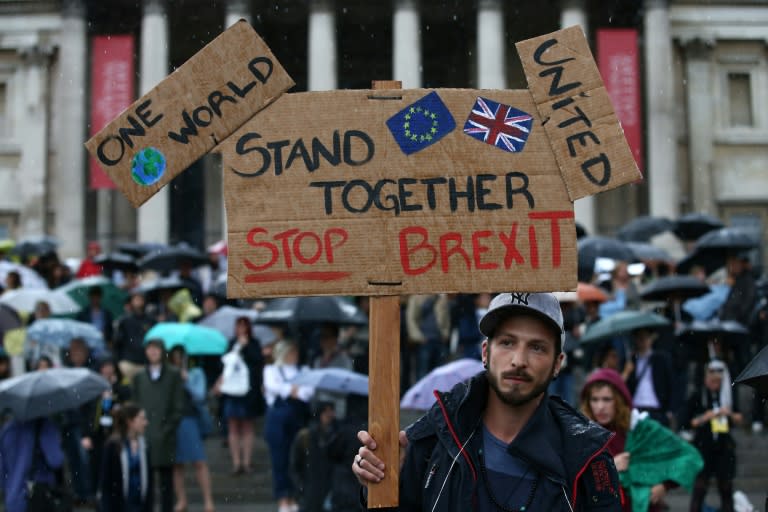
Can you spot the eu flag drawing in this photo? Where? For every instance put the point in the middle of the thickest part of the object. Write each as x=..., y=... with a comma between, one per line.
x=498, y=124
x=421, y=124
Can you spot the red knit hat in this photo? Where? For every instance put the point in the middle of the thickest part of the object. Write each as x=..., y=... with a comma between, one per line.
x=611, y=377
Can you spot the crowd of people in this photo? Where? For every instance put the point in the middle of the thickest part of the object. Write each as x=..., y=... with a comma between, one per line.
x=130, y=447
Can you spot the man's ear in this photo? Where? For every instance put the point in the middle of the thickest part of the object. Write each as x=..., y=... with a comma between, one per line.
x=484, y=350
x=559, y=362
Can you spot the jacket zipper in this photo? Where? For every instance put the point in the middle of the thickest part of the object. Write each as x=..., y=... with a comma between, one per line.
x=589, y=461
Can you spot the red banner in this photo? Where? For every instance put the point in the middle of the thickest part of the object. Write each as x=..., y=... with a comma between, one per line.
x=617, y=59
x=112, y=89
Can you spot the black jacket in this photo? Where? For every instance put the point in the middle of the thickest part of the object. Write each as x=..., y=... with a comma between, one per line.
x=112, y=483
x=661, y=375
x=565, y=448
x=109, y=320
x=129, y=337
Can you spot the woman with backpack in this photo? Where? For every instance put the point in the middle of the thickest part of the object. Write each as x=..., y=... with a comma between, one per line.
x=240, y=388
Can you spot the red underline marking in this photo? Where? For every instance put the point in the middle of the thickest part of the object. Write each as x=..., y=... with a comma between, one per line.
x=268, y=277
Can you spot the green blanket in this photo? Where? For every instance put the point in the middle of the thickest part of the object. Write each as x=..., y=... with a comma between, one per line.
x=657, y=455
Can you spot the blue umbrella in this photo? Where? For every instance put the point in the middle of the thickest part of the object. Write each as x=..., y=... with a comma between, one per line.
x=196, y=339
x=60, y=331
x=337, y=380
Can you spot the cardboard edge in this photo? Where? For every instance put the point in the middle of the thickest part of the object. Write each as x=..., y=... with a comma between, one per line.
x=241, y=24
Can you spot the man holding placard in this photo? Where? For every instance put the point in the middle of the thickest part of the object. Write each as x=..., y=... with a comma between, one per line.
x=498, y=442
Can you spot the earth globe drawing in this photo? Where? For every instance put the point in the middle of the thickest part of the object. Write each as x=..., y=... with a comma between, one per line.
x=148, y=166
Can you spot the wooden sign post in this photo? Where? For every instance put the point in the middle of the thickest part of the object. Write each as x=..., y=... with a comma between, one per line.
x=384, y=381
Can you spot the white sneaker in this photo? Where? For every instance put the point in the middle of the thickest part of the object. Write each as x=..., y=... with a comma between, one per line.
x=757, y=427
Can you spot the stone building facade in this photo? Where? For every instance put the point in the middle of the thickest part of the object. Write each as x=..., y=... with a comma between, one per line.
x=704, y=73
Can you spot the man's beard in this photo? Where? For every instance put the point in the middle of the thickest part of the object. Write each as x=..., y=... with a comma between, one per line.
x=515, y=398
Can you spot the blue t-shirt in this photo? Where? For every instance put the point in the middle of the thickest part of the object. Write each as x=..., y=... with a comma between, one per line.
x=509, y=478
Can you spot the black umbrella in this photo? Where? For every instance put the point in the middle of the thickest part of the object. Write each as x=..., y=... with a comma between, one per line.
x=756, y=373
x=648, y=252
x=727, y=239
x=581, y=231
x=693, y=226
x=312, y=310
x=35, y=246
x=43, y=393
x=171, y=258
x=137, y=250
x=642, y=229
x=151, y=289
x=680, y=287
x=117, y=261
x=708, y=260
x=9, y=319
x=592, y=247
x=727, y=333
x=713, y=329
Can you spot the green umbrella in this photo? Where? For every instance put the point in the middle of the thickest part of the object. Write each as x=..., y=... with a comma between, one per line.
x=622, y=323
x=196, y=339
x=112, y=297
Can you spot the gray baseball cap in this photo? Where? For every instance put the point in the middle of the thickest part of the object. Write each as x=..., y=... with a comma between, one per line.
x=542, y=305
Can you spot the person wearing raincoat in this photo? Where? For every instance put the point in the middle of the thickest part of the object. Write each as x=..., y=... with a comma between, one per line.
x=649, y=457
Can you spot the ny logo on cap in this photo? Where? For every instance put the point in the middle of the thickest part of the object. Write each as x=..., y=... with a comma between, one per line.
x=520, y=298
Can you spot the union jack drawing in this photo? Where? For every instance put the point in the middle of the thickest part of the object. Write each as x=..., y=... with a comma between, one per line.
x=498, y=124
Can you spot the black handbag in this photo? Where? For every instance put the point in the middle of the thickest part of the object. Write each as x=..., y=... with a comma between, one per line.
x=41, y=496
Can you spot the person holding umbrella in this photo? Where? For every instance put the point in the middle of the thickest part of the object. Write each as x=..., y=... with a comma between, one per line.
x=29, y=451
x=76, y=427
x=159, y=390
x=32, y=398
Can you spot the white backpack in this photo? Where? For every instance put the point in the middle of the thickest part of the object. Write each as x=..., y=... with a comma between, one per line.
x=235, y=379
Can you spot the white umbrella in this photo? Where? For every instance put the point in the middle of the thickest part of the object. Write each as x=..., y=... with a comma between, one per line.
x=224, y=318
x=29, y=278
x=43, y=393
x=24, y=300
x=336, y=380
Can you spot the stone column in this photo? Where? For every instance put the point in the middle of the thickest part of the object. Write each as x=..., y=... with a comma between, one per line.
x=322, y=46
x=154, y=215
x=67, y=181
x=698, y=71
x=573, y=12
x=406, y=44
x=661, y=173
x=237, y=10
x=33, y=135
x=491, y=47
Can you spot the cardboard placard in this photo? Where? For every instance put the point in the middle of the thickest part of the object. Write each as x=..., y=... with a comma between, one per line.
x=380, y=192
x=570, y=96
x=189, y=113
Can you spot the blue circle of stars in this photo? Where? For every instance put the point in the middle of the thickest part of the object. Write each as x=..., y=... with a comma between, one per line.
x=418, y=115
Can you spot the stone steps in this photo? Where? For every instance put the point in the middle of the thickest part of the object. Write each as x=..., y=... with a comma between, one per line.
x=751, y=474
